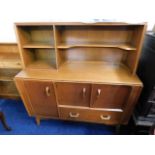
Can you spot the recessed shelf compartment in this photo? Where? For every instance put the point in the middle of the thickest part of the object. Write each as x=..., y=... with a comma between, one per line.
x=40, y=58
x=110, y=56
x=36, y=36
x=96, y=36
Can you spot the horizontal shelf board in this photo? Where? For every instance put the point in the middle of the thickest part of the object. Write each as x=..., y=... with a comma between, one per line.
x=126, y=47
x=86, y=71
x=38, y=45
x=9, y=95
x=10, y=64
x=78, y=23
x=5, y=78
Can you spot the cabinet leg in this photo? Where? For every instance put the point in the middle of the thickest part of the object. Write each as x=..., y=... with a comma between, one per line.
x=38, y=120
x=117, y=129
x=2, y=119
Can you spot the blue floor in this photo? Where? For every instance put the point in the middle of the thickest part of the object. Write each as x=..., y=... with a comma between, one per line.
x=22, y=124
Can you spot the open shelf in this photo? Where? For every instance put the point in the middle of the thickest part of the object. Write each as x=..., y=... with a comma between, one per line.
x=8, y=89
x=40, y=58
x=36, y=36
x=96, y=36
x=122, y=46
x=109, y=42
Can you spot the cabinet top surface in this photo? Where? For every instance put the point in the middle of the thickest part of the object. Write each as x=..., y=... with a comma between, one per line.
x=86, y=72
x=78, y=23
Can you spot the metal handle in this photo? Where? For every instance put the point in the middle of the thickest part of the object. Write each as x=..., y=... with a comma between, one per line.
x=76, y=115
x=84, y=92
x=103, y=117
x=47, y=89
x=98, y=93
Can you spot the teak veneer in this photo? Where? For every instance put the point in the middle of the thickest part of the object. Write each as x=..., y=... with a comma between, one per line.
x=80, y=71
x=10, y=65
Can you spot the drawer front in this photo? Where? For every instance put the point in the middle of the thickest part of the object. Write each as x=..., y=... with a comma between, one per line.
x=42, y=97
x=90, y=115
x=76, y=94
x=109, y=96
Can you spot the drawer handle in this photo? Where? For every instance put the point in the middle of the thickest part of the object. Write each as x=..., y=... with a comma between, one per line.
x=47, y=89
x=103, y=117
x=76, y=115
x=84, y=92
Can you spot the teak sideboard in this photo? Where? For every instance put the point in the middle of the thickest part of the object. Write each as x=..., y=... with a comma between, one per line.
x=80, y=71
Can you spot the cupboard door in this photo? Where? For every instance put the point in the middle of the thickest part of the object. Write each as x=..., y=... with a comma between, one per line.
x=75, y=94
x=42, y=97
x=109, y=96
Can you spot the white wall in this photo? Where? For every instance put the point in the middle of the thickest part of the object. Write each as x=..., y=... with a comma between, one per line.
x=12, y=11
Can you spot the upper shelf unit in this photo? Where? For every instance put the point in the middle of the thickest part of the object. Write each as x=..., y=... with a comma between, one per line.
x=50, y=45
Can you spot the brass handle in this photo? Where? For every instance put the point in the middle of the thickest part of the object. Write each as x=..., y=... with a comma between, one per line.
x=47, y=89
x=98, y=93
x=76, y=115
x=103, y=117
x=84, y=92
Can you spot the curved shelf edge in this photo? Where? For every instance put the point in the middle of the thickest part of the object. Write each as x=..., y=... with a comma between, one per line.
x=123, y=47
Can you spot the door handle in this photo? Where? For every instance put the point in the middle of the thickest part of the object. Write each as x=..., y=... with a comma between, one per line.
x=98, y=93
x=47, y=90
x=97, y=96
x=84, y=92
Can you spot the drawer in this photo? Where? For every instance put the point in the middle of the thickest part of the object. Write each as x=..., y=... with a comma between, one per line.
x=75, y=94
x=90, y=115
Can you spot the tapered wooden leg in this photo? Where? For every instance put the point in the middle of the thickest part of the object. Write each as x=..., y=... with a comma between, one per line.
x=117, y=129
x=2, y=118
x=38, y=120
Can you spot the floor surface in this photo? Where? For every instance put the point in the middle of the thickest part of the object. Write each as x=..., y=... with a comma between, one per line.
x=22, y=124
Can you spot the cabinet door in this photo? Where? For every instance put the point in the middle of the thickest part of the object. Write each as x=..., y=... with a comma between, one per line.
x=42, y=97
x=109, y=96
x=75, y=94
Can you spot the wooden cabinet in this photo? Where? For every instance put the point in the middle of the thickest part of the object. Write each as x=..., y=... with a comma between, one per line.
x=76, y=94
x=79, y=71
x=42, y=97
x=109, y=96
